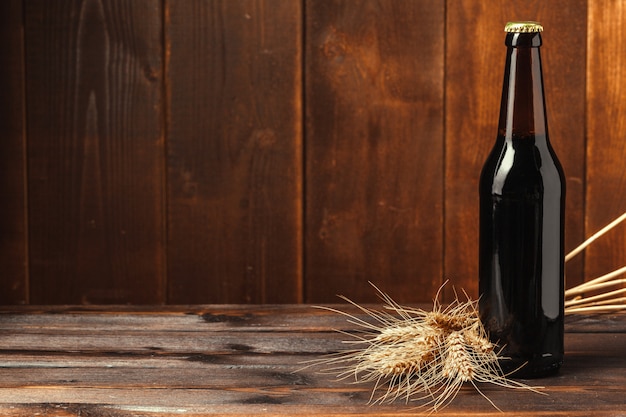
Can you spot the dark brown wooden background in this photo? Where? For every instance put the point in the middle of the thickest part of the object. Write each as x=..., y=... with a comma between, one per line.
x=234, y=151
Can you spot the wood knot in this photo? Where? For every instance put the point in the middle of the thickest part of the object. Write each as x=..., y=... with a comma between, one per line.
x=335, y=45
x=264, y=138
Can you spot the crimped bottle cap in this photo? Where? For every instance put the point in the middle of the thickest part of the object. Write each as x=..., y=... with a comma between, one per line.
x=523, y=27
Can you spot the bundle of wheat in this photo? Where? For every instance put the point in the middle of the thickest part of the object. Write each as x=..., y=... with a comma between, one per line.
x=419, y=355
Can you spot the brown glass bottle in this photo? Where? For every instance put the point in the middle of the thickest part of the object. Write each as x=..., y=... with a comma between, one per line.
x=522, y=206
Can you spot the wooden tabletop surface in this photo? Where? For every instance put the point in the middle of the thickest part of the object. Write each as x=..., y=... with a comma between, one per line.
x=244, y=361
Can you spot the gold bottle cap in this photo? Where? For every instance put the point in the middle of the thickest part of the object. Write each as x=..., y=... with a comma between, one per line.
x=523, y=27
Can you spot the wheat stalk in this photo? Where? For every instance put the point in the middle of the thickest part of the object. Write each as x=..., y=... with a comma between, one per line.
x=595, y=236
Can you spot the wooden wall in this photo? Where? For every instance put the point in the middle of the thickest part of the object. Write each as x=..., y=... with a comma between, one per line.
x=283, y=151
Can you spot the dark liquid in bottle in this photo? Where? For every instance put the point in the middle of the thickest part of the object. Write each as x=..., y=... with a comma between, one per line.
x=521, y=259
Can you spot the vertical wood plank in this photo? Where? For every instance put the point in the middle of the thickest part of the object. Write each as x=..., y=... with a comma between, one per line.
x=475, y=55
x=95, y=154
x=13, y=224
x=374, y=148
x=606, y=124
x=234, y=151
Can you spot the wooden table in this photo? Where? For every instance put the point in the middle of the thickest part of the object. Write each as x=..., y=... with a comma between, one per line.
x=242, y=361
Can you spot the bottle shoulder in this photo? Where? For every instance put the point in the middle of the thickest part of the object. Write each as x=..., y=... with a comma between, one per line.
x=521, y=166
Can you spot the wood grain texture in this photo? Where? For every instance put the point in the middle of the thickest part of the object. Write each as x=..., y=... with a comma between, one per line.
x=374, y=154
x=606, y=130
x=95, y=151
x=194, y=151
x=474, y=73
x=234, y=151
x=247, y=360
x=13, y=221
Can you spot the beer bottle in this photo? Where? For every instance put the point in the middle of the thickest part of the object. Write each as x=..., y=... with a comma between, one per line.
x=522, y=207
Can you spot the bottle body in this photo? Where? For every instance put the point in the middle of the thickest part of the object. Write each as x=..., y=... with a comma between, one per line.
x=522, y=207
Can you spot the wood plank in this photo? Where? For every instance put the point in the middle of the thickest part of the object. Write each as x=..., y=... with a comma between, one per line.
x=95, y=151
x=234, y=151
x=13, y=223
x=227, y=318
x=564, y=71
x=214, y=319
x=302, y=400
x=606, y=129
x=588, y=365
x=474, y=73
x=374, y=154
x=269, y=410
x=67, y=379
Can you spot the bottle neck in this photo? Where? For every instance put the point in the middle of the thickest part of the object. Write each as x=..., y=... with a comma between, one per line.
x=522, y=109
